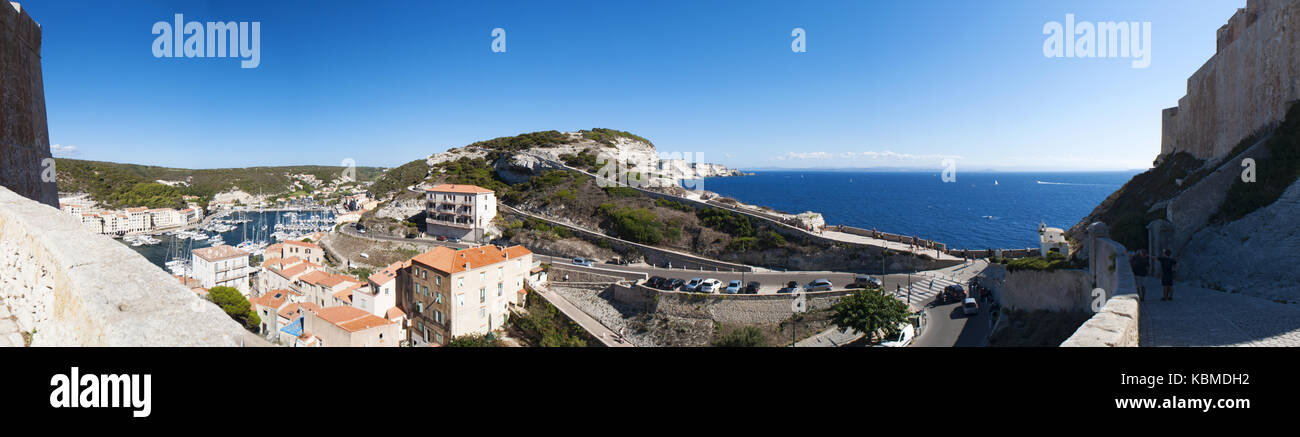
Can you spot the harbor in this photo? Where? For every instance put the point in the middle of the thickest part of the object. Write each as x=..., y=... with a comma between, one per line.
x=250, y=231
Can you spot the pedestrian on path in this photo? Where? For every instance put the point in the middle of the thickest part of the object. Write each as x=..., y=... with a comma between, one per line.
x=1139, y=264
x=1167, y=266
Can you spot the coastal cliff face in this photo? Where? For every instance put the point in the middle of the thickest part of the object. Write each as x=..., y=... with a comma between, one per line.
x=1244, y=88
x=635, y=154
x=24, y=137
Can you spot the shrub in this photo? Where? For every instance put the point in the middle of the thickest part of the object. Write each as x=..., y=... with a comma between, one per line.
x=748, y=336
x=235, y=306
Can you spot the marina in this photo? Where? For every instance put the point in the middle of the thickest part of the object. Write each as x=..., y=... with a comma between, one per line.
x=250, y=231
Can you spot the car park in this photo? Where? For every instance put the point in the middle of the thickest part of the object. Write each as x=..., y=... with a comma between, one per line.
x=790, y=287
x=693, y=284
x=901, y=339
x=752, y=288
x=819, y=285
x=969, y=306
x=710, y=286
x=733, y=287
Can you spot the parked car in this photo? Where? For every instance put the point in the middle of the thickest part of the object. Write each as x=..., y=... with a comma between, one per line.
x=671, y=284
x=902, y=339
x=752, y=288
x=819, y=285
x=969, y=306
x=866, y=281
x=733, y=287
x=790, y=287
x=693, y=284
x=654, y=281
x=582, y=261
x=442, y=238
x=710, y=286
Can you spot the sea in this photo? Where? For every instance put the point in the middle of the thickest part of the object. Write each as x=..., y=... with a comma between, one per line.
x=158, y=254
x=977, y=211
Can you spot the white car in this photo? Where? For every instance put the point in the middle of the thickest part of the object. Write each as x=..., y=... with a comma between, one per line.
x=904, y=337
x=970, y=307
x=819, y=285
x=733, y=287
x=710, y=286
x=692, y=285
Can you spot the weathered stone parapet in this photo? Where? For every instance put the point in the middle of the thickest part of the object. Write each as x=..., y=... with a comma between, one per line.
x=1116, y=325
x=71, y=287
x=1245, y=87
x=24, y=136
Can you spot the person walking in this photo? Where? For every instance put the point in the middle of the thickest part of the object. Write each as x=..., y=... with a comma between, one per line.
x=1167, y=266
x=1139, y=263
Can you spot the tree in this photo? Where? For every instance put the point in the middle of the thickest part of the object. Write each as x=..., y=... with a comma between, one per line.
x=748, y=336
x=867, y=311
x=475, y=340
x=236, y=306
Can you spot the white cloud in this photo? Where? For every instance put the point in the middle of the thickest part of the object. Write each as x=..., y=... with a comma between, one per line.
x=63, y=151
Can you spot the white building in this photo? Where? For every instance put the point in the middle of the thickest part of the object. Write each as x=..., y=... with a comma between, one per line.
x=1052, y=240
x=221, y=266
x=459, y=211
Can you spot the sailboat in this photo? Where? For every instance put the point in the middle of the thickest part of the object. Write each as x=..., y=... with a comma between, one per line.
x=995, y=182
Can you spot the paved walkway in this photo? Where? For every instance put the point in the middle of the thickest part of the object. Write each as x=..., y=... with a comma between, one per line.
x=9, y=336
x=891, y=245
x=1203, y=317
x=593, y=326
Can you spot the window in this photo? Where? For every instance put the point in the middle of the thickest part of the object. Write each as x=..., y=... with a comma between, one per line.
x=500, y=287
x=482, y=294
x=437, y=280
x=437, y=316
x=482, y=313
x=482, y=276
x=437, y=297
x=460, y=283
x=460, y=299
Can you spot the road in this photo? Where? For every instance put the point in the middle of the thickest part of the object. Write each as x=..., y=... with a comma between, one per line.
x=947, y=326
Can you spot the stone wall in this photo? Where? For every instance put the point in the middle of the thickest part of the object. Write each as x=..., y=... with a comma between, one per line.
x=24, y=137
x=722, y=308
x=71, y=287
x=1245, y=87
x=1117, y=323
x=1061, y=290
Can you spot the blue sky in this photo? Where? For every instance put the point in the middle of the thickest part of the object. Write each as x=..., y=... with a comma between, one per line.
x=881, y=84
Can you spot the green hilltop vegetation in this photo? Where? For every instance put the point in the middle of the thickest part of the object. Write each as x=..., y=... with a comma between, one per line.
x=479, y=171
x=118, y=185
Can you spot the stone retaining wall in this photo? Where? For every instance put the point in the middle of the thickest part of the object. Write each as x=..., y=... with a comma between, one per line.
x=71, y=287
x=723, y=308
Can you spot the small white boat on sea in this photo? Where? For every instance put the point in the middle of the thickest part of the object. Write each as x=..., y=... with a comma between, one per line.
x=200, y=236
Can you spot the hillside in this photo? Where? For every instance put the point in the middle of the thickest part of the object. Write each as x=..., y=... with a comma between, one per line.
x=117, y=185
x=527, y=174
x=1230, y=234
